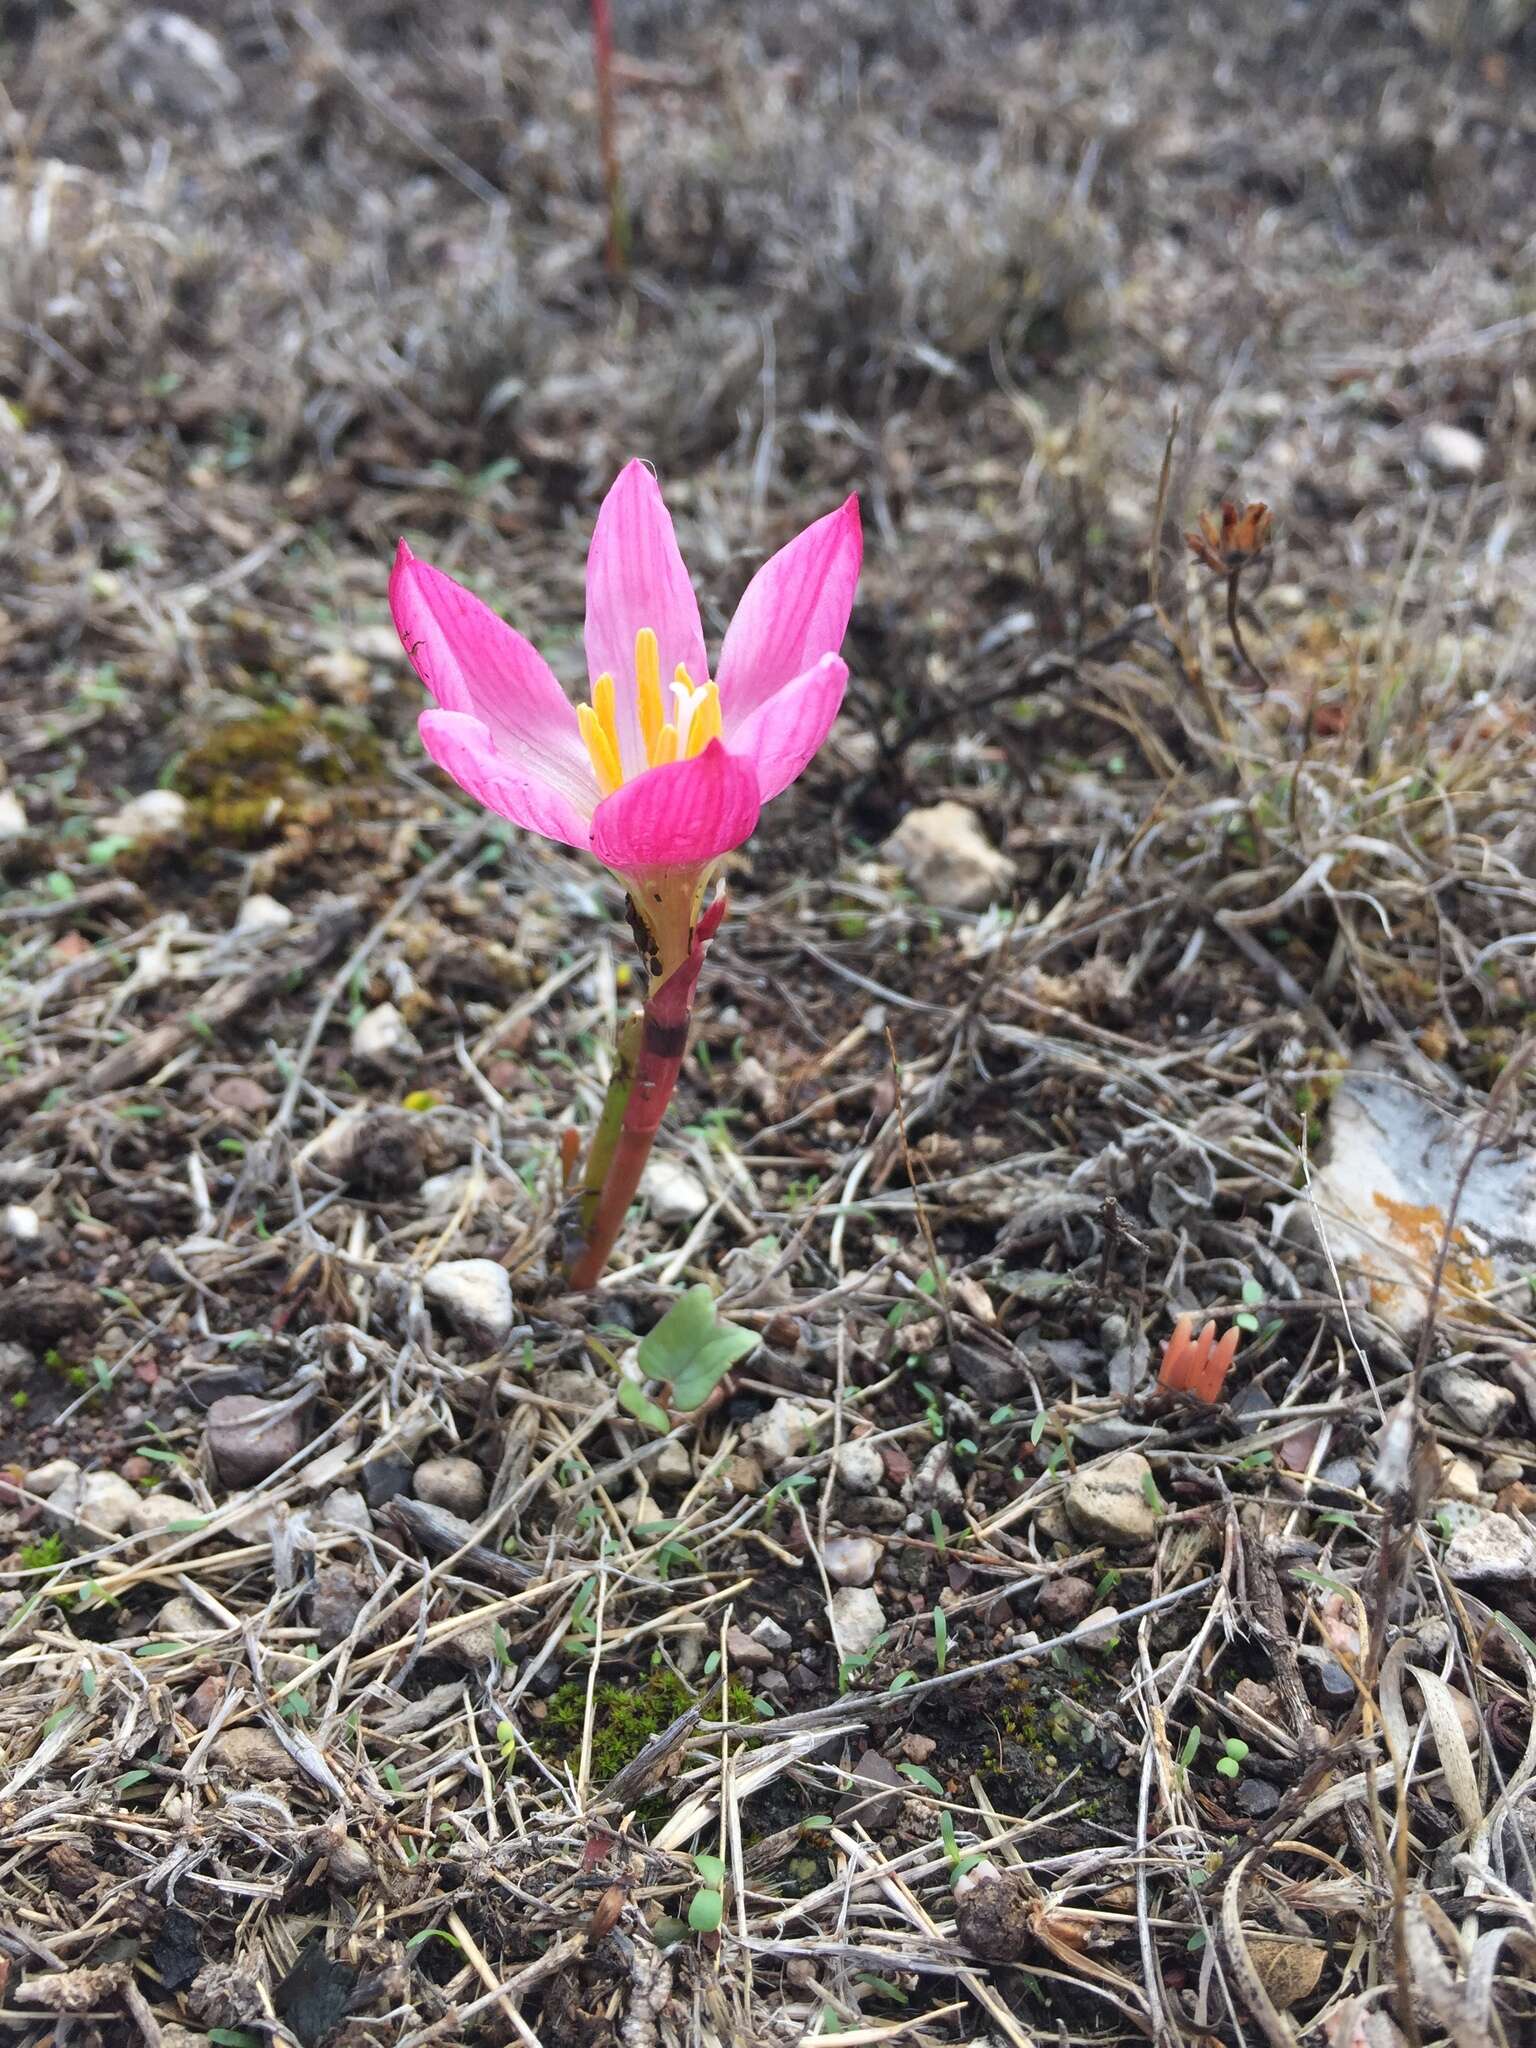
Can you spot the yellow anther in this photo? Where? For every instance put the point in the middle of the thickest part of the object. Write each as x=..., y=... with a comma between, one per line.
x=665, y=749
x=705, y=724
x=605, y=704
x=605, y=755
x=648, y=689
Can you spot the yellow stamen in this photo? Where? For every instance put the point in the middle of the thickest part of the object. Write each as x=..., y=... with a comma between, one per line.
x=605, y=755
x=665, y=749
x=705, y=724
x=648, y=689
x=605, y=704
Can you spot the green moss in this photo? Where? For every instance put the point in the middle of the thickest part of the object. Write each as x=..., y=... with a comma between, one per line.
x=43, y=1555
x=247, y=778
x=624, y=1717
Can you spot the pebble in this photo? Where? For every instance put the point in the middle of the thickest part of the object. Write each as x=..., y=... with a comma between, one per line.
x=1101, y=1629
x=13, y=816
x=153, y=1512
x=768, y=1631
x=382, y=1038
x=1502, y=1472
x=994, y=1378
x=1334, y=1681
x=383, y=1479
x=241, y=1094
x=744, y=1474
x=262, y=914
x=47, y=1479
x=749, y=1653
x=476, y=1297
x=860, y=1466
x=23, y=1225
x=473, y=1646
x=345, y=1508
x=1491, y=1547
x=450, y=1482
x=1452, y=451
x=781, y=1433
x=672, y=1466
x=1108, y=1502
x=672, y=1191
x=877, y=1794
x=857, y=1617
x=1478, y=1405
x=1255, y=1797
x=442, y=1193
x=1062, y=1603
x=948, y=859
x=248, y=1438
x=1343, y=1473
x=934, y=1484
x=165, y=62
x=1459, y=1480
x=157, y=814
x=253, y=1753
x=182, y=1617
x=103, y=1503
x=205, y=1702
x=336, y=1599
x=851, y=1560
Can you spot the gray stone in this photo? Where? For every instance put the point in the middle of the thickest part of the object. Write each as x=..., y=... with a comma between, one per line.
x=336, y=1599
x=1478, y=1405
x=948, y=859
x=248, y=1438
x=934, y=1484
x=673, y=1192
x=995, y=1377
x=1108, y=1502
x=454, y=1483
x=260, y=915
x=851, y=1560
x=860, y=1466
x=780, y=1433
x=1062, y=1603
x=1491, y=1547
x=748, y=1652
x=857, y=1618
x=1255, y=1797
x=381, y=1038
x=672, y=1466
x=877, y=1794
x=253, y=1753
x=101, y=1504
x=1452, y=452
x=169, y=64
x=181, y=1617
x=47, y=1479
x=768, y=1631
x=476, y=1297
x=154, y=1512
x=345, y=1508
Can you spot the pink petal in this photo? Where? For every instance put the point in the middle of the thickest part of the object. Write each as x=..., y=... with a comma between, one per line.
x=679, y=815
x=793, y=611
x=780, y=736
x=635, y=578
x=462, y=747
x=473, y=662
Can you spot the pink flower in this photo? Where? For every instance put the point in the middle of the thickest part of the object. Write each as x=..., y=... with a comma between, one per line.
x=663, y=768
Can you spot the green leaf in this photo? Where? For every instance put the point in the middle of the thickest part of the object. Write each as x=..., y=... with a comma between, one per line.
x=1253, y=1293
x=816, y=1823
x=129, y=1778
x=1236, y=1747
x=710, y=1868
x=1152, y=1497
x=705, y=1912
x=941, y=1637
x=921, y=1777
x=1191, y=1745
x=233, y=2037
x=1228, y=1766
x=638, y=1402
x=692, y=1348
x=1246, y=1322
x=159, y=1649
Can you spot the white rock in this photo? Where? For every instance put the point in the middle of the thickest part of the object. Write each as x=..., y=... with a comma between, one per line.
x=780, y=1433
x=443, y=1192
x=46, y=1480
x=1452, y=451
x=103, y=1503
x=672, y=1466
x=860, y=1466
x=157, y=814
x=935, y=1483
x=13, y=816
x=675, y=1195
x=454, y=1483
x=1491, y=1547
x=1388, y=1180
x=1108, y=1503
x=181, y=1616
x=1099, y=1630
x=1477, y=1404
x=948, y=859
x=857, y=1618
x=261, y=914
x=476, y=1297
x=851, y=1560
x=382, y=1038
x=153, y=1512
x=347, y=1509
x=22, y=1225
x=1459, y=1480
x=768, y=1631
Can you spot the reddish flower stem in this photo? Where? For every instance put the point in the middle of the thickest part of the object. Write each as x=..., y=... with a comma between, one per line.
x=663, y=1042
